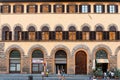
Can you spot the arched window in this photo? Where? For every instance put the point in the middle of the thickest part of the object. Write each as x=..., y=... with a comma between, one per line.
x=37, y=61
x=85, y=33
x=6, y=33
x=18, y=33
x=112, y=32
x=61, y=61
x=14, y=62
x=72, y=33
x=59, y=34
x=99, y=33
x=45, y=33
x=31, y=31
x=101, y=54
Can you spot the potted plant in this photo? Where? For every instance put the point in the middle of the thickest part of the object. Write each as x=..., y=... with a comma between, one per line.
x=99, y=73
x=117, y=73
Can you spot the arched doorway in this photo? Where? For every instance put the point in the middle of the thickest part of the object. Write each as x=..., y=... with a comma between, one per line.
x=14, y=61
x=102, y=60
x=37, y=61
x=61, y=61
x=80, y=63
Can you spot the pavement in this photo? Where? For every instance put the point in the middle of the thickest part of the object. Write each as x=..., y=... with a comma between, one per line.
x=39, y=77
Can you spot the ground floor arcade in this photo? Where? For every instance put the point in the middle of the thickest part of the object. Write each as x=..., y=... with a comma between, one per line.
x=82, y=59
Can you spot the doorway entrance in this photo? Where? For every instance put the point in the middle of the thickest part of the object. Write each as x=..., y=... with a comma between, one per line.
x=102, y=60
x=80, y=63
x=103, y=66
x=60, y=61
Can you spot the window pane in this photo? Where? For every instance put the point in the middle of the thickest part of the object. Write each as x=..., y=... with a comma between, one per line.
x=18, y=67
x=112, y=8
x=98, y=8
x=84, y=8
x=12, y=65
x=41, y=67
x=35, y=68
x=12, y=68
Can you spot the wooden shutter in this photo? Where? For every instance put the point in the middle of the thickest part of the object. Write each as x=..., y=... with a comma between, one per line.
x=67, y=8
x=89, y=8
x=116, y=8
x=36, y=8
x=95, y=8
x=118, y=35
x=10, y=35
x=16, y=35
x=1, y=9
x=108, y=8
x=105, y=35
x=14, y=9
x=49, y=8
x=76, y=8
x=103, y=8
x=80, y=8
x=26, y=35
x=92, y=35
x=64, y=38
x=51, y=35
x=54, y=8
x=41, y=8
x=38, y=35
x=22, y=8
x=77, y=35
x=27, y=8
x=9, y=9
x=3, y=35
x=63, y=8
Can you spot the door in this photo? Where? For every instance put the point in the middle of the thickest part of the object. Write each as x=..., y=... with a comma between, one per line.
x=81, y=63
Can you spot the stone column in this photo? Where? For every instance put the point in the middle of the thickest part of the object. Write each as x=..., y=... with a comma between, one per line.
x=3, y=63
x=26, y=64
x=49, y=65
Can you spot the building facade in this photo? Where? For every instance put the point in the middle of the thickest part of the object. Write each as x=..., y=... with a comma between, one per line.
x=74, y=36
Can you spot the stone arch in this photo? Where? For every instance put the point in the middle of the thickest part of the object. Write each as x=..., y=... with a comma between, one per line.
x=9, y=49
x=72, y=25
x=44, y=26
x=33, y=26
x=60, y=47
x=85, y=49
x=99, y=27
x=14, y=47
x=81, y=47
x=60, y=26
x=19, y=26
x=40, y=47
x=52, y=56
x=117, y=50
x=45, y=29
x=101, y=46
x=112, y=27
x=85, y=25
x=6, y=25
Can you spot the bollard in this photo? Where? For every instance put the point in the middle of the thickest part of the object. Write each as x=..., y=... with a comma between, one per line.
x=30, y=77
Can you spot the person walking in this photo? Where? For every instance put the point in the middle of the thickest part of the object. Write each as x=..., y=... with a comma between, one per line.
x=59, y=74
